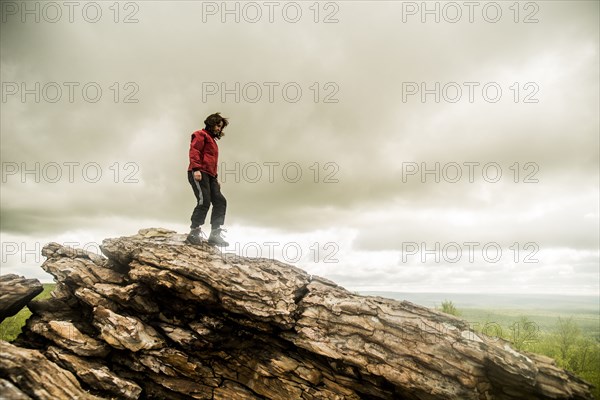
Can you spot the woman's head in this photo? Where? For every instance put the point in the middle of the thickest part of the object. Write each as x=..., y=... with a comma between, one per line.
x=215, y=124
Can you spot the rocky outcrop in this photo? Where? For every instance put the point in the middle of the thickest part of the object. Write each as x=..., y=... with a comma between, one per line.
x=15, y=292
x=36, y=376
x=160, y=319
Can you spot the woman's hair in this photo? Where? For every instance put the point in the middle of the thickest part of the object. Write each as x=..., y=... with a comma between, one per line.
x=213, y=120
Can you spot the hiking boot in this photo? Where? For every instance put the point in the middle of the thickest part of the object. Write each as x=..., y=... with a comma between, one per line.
x=195, y=236
x=216, y=239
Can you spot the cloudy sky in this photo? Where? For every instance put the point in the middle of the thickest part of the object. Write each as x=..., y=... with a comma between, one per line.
x=386, y=145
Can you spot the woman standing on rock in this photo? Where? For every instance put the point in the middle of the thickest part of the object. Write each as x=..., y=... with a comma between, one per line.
x=202, y=175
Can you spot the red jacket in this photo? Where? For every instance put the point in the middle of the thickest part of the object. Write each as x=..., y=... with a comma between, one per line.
x=204, y=153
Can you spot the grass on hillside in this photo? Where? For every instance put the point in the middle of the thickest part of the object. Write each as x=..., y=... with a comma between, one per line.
x=571, y=339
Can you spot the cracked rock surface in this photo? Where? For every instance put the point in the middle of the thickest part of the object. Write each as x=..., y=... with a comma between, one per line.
x=159, y=319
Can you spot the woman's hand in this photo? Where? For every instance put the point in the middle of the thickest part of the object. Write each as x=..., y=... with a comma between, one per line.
x=197, y=176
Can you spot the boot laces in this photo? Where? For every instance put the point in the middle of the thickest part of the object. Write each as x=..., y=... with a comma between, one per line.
x=199, y=232
x=220, y=232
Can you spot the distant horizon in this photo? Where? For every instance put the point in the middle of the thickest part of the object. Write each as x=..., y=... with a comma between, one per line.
x=369, y=292
x=487, y=293
x=530, y=302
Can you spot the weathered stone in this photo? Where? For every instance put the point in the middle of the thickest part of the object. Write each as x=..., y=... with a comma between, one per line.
x=125, y=332
x=37, y=376
x=232, y=390
x=66, y=335
x=134, y=296
x=94, y=299
x=184, y=337
x=78, y=268
x=94, y=374
x=15, y=293
x=275, y=286
x=8, y=391
x=185, y=288
x=56, y=250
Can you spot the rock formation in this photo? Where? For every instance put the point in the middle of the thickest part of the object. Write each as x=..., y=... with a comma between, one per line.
x=159, y=319
x=16, y=293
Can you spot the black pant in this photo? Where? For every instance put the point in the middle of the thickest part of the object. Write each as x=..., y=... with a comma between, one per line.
x=207, y=191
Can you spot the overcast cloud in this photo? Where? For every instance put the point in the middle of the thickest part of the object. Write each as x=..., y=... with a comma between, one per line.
x=331, y=175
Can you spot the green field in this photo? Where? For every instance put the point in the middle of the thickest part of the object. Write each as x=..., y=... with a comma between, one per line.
x=544, y=321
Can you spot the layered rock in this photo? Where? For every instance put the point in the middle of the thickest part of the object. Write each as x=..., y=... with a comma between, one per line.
x=36, y=376
x=161, y=319
x=15, y=292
